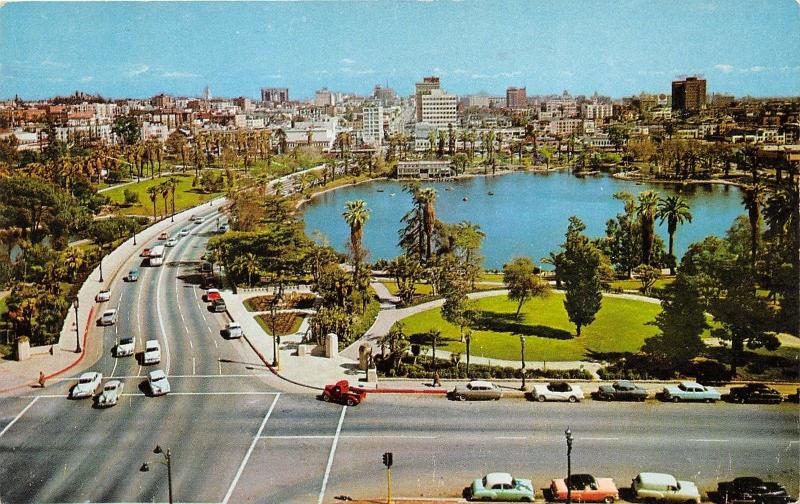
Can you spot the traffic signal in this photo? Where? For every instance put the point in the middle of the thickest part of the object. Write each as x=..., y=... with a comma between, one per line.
x=387, y=459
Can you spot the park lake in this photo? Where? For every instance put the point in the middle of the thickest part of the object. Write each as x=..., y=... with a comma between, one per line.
x=522, y=214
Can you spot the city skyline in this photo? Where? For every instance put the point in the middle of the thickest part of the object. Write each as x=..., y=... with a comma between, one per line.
x=142, y=49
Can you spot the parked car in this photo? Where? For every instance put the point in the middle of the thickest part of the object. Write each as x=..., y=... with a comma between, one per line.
x=152, y=352
x=233, y=330
x=199, y=219
x=145, y=253
x=159, y=385
x=192, y=218
x=163, y=235
x=111, y=392
x=621, y=390
x=476, y=390
x=585, y=488
x=556, y=391
x=125, y=347
x=184, y=232
x=109, y=317
x=750, y=489
x=103, y=295
x=86, y=386
x=664, y=487
x=690, y=391
x=218, y=305
x=501, y=487
x=171, y=242
x=341, y=392
x=211, y=295
x=222, y=228
x=794, y=398
x=133, y=275
x=205, y=267
x=755, y=393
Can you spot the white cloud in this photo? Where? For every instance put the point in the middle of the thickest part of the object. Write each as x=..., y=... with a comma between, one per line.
x=87, y=78
x=179, y=75
x=757, y=69
x=55, y=64
x=138, y=70
x=459, y=71
x=497, y=75
x=276, y=76
x=724, y=68
x=347, y=61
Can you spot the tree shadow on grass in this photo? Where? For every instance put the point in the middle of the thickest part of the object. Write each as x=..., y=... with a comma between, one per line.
x=507, y=323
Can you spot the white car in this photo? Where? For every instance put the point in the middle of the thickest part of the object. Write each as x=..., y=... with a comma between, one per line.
x=184, y=232
x=171, y=242
x=103, y=295
x=152, y=352
x=198, y=220
x=222, y=228
x=109, y=317
x=158, y=382
x=125, y=347
x=233, y=330
x=111, y=392
x=556, y=391
x=86, y=386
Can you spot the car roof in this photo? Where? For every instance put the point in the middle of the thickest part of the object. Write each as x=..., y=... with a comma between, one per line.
x=690, y=384
x=110, y=312
x=151, y=343
x=583, y=478
x=127, y=339
x=481, y=383
x=105, y=290
x=213, y=290
x=90, y=374
x=234, y=324
x=625, y=383
x=115, y=383
x=498, y=477
x=657, y=478
x=157, y=373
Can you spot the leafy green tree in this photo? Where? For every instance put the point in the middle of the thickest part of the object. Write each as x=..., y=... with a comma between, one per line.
x=522, y=281
x=456, y=308
x=468, y=241
x=580, y=272
x=406, y=271
x=647, y=275
x=127, y=129
x=648, y=206
x=623, y=237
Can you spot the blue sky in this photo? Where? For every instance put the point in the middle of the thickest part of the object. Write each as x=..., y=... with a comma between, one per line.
x=617, y=48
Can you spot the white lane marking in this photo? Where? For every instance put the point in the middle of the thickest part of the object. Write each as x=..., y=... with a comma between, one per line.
x=191, y=345
x=161, y=319
x=249, y=451
x=19, y=415
x=599, y=438
x=193, y=366
x=140, y=394
x=215, y=343
x=209, y=329
x=131, y=377
x=219, y=362
x=710, y=440
x=297, y=437
x=354, y=436
x=116, y=360
x=330, y=457
x=510, y=437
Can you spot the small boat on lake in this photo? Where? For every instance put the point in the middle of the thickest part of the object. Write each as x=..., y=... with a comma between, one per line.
x=465, y=199
x=490, y=193
x=380, y=190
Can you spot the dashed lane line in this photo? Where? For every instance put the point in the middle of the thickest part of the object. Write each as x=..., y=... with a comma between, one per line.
x=130, y=377
x=18, y=416
x=355, y=436
x=239, y=472
x=141, y=394
x=161, y=319
x=330, y=457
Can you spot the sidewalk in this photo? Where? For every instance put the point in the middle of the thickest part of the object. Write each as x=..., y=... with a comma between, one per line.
x=14, y=374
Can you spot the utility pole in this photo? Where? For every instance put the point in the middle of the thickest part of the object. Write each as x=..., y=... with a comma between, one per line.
x=387, y=461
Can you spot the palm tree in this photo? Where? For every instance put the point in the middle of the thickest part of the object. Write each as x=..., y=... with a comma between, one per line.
x=172, y=183
x=782, y=213
x=152, y=192
x=648, y=205
x=427, y=199
x=431, y=143
x=356, y=214
x=675, y=211
x=163, y=188
x=753, y=199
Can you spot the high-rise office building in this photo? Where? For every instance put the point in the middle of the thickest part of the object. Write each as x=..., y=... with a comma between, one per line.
x=373, y=123
x=427, y=85
x=438, y=108
x=516, y=97
x=689, y=95
x=275, y=95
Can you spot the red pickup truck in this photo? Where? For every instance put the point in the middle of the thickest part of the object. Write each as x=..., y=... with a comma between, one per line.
x=341, y=392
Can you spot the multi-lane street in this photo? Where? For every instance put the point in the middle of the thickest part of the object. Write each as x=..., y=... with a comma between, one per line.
x=237, y=435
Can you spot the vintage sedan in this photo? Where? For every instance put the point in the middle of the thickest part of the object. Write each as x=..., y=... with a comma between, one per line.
x=649, y=486
x=133, y=275
x=157, y=380
x=152, y=352
x=556, y=391
x=184, y=232
x=171, y=242
x=86, y=386
x=111, y=393
x=690, y=391
x=585, y=488
x=145, y=252
x=109, y=317
x=233, y=330
x=501, y=487
x=755, y=393
x=125, y=347
x=211, y=295
x=163, y=235
x=103, y=295
x=751, y=489
x=341, y=392
x=621, y=390
x=476, y=390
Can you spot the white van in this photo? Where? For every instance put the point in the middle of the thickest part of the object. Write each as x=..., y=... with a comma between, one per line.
x=152, y=352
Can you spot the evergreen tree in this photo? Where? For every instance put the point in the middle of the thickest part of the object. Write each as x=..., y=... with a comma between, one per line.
x=580, y=272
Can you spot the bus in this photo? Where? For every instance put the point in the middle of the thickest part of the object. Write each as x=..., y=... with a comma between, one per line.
x=157, y=255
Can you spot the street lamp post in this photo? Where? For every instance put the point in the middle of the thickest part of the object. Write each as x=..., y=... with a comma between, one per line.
x=522, y=358
x=276, y=341
x=133, y=230
x=167, y=462
x=77, y=328
x=467, y=339
x=101, y=265
x=568, y=435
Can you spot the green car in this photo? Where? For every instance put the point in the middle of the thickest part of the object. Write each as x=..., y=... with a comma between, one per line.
x=501, y=487
x=133, y=275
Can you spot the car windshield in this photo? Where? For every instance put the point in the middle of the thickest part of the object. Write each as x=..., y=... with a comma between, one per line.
x=158, y=378
x=86, y=380
x=111, y=387
x=126, y=341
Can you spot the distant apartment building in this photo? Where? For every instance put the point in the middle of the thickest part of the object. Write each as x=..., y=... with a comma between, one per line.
x=423, y=88
x=275, y=96
x=372, y=124
x=324, y=97
x=244, y=104
x=424, y=169
x=596, y=111
x=516, y=97
x=438, y=108
x=385, y=95
x=689, y=95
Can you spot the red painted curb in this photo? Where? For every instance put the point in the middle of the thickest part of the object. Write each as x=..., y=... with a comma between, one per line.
x=404, y=391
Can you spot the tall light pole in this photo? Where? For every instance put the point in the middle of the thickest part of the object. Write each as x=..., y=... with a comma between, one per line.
x=133, y=230
x=101, y=264
x=522, y=358
x=167, y=462
x=568, y=435
x=276, y=361
x=77, y=328
x=467, y=339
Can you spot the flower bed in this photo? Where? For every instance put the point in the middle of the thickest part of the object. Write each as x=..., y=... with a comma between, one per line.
x=291, y=301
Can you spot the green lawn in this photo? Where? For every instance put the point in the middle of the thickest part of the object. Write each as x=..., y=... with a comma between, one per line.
x=185, y=196
x=424, y=289
x=634, y=284
x=620, y=326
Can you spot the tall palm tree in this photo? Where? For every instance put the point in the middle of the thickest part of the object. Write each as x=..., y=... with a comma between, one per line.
x=782, y=212
x=648, y=205
x=427, y=199
x=163, y=189
x=356, y=214
x=152, y=192
x=172, y=183
x=753, y=199
x=675, y=211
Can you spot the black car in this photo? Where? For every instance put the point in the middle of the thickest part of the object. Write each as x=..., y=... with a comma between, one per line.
x=750, y=489
x=218, y=305
x=621, y=390
x=755, y=393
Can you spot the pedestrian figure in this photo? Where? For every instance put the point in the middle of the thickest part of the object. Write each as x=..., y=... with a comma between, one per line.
x=436, y=381
x=42, y=379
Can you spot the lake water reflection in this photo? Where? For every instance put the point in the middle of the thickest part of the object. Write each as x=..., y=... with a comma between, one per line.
x=526, y=214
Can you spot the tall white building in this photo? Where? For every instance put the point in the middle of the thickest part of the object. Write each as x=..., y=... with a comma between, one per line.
x=596, y=110
x=438, y=108
x=372, y=130
x=323, y=98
